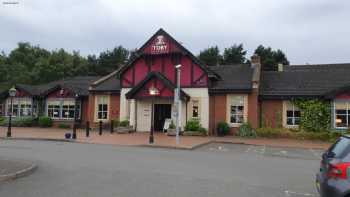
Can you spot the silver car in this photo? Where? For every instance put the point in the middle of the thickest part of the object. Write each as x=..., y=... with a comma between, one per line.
x=333, y=179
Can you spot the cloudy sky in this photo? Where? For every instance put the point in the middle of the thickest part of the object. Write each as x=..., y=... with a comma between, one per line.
x=308, y=31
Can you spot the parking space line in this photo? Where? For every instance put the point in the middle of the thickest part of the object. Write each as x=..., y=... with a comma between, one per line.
x=292, y=193
x=249, y=149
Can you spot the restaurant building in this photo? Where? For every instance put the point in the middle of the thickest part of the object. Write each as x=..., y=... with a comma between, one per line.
x=231, y=93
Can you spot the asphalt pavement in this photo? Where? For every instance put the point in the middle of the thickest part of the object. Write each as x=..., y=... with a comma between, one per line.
x=74, y=170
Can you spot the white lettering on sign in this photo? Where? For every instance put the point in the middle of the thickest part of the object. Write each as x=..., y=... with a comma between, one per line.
x=160, y=46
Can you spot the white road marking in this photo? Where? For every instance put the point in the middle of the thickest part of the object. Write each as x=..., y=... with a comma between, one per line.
x=291, y=193
x=316, y=154
x=249, y=148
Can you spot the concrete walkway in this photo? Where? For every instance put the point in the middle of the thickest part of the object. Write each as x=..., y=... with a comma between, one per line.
x=160, y=139
x=12, y=169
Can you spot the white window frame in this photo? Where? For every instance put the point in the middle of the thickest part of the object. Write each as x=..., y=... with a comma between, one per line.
x=60, y=103
x=293, y=117
x=19, y=101
x=198, y=105
x=347, y=114
x=102, y=100
x=244, y=111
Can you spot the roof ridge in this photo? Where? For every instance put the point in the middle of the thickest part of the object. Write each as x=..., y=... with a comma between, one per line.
x=102, y=79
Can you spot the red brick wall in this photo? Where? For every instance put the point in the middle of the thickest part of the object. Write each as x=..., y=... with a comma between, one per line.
x=91, y=108
x=217, y=111
x=272, y=113
x=114, y=107
x=253, y=108
x=84, y=110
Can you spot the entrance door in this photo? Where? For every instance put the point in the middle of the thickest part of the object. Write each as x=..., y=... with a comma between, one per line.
x=161, y=112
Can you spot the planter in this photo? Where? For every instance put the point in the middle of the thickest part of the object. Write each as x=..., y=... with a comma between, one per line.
x=220, y=131
x=171, y=132
x=193, y=133
x=123, y=130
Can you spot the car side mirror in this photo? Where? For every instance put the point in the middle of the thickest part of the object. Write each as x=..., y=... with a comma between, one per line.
x=330, y=154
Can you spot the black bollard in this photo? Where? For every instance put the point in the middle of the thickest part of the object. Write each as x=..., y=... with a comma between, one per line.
x=87, y=129
x=112, y=126
x=74, y=131
x=100, y=128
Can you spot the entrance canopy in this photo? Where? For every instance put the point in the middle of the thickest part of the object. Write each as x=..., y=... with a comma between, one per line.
x=155, y=80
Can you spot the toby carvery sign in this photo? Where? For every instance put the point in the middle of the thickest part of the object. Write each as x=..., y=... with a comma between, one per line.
x=160, y=45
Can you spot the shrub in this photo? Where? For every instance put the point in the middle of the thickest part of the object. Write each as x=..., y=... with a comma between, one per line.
x=203, y=130
x=116, y=123
x=45, y=121
x=124, y=123
x=222, y=128
x=315, y=115
x=193, y=125
x=172, y=125
x=246, y=130
x=2, y=120
x=19, y=122
x=329, y=136
x=64, y=126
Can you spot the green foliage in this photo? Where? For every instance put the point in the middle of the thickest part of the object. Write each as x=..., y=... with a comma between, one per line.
x=223, y=128
x=19, y=122
x=315, y=114
x=329, y=136
x=193, y=125
x=246, y=130
x=116, y=123
x=234, y=55
x=271, y=58
x=34, y=65
x=172, y=125
x=45, y=121
x=64, y=126
x=124, y=123
x=210, y=56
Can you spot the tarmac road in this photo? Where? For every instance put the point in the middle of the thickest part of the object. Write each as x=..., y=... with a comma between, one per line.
x=90, y=170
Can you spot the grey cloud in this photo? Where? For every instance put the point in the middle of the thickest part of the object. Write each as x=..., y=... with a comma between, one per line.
x=313, y=31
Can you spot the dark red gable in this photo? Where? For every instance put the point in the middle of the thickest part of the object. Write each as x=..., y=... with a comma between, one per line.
x=160, y=54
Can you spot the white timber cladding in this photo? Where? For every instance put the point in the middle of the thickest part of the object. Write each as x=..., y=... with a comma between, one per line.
x=102, y=99
x=232, y=101
x=201, y=96
x=124, y=105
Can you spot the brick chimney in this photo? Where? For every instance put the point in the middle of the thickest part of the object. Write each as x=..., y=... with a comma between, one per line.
x=256, y=64
x=253, y=97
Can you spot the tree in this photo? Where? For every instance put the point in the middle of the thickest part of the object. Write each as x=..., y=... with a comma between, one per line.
x=270, y=58
x=234, y=55
x=110, y=61
x=210, y=56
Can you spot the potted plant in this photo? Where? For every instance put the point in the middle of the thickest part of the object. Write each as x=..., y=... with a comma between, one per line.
x=194, y=128
x=222, y=129
x=124, y=127
x=171, y=131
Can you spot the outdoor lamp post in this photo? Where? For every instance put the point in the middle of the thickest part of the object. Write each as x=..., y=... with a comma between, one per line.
x=177, y=103
x=12, y=93
x=75, y=117
x=153, y=92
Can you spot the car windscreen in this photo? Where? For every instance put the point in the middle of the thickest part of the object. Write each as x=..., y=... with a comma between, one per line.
x=341, y=148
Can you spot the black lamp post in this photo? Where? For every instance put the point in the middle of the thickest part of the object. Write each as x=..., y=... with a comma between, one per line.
x=75, y=117
x=12, y=93
x=153, y=92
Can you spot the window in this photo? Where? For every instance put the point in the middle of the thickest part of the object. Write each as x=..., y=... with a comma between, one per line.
x=236, y=109
x=195, y=109
x=342, y=114
x=20, y=107
x=102, y=107
x=292, y=114
x=64, y=109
